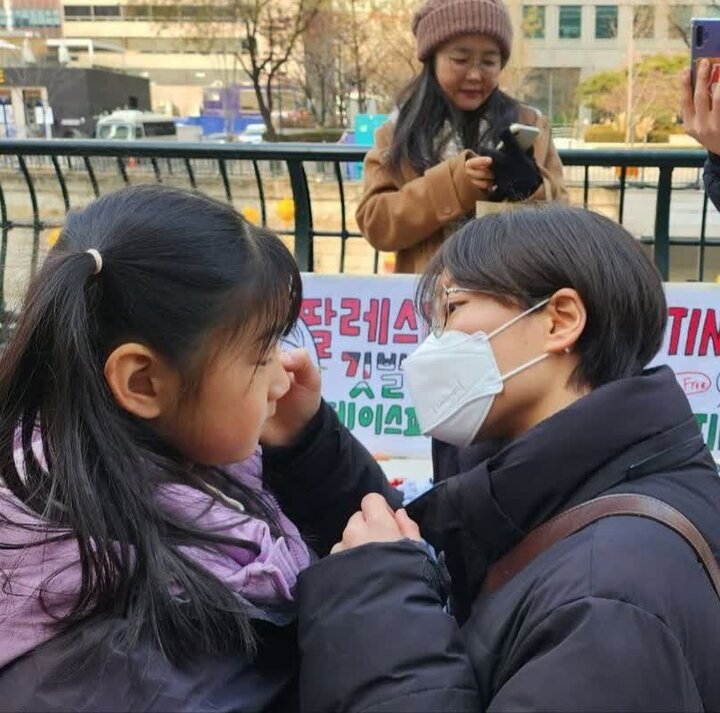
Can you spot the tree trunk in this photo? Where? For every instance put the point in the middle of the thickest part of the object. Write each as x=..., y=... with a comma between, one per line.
x=265, y=106
x=270, y=133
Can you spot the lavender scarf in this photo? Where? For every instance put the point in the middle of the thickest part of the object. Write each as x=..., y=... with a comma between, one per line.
x=50, y=573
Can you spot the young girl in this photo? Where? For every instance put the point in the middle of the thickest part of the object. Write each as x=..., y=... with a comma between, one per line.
x=141, y=569
x=435, y=160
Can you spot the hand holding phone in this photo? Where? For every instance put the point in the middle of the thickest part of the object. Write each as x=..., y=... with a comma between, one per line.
x=479, y=171
x=701, y=116
x=517, y=175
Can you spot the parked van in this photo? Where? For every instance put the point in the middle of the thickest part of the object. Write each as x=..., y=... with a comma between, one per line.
x=136, y=126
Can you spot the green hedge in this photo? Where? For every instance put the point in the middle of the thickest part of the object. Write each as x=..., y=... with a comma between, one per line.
x=608, y=135
x=604, y=135
x=320, y=136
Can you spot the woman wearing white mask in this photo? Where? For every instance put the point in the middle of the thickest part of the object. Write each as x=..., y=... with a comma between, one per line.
x=581, y=550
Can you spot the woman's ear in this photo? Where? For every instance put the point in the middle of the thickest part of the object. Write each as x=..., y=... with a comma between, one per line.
x=140, y=381
x=567, y=316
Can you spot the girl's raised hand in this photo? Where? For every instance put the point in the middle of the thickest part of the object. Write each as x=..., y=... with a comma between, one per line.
x=299, y=405
x=376, y=522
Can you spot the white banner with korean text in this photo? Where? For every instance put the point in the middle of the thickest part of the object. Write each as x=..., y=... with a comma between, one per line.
x=360, y=330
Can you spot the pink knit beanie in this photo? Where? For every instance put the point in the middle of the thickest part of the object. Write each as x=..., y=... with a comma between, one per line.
x=437, y=21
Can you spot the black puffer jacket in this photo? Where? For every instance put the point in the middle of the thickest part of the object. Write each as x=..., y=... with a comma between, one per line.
x=619, y=616
x=711, y=177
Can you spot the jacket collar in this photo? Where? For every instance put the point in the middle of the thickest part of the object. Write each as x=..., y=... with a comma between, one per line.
x=621, y=431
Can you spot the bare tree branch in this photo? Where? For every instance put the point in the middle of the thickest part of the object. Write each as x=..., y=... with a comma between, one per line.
x=261, y=36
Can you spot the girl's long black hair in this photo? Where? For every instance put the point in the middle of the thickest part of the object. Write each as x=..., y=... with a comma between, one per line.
x=423, y=113
x=177, y=269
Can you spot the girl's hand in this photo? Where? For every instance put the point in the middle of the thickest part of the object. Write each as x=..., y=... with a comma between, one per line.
x=479, y=171
x=701, y=111
x=376, y=522
x=299, y=405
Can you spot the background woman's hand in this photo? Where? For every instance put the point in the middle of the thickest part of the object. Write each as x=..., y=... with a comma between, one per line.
x=700, y=110
x=296, y=409
x=376, y=522
x=479, y=171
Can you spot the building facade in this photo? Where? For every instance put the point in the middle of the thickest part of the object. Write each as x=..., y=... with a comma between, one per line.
x=568, y=41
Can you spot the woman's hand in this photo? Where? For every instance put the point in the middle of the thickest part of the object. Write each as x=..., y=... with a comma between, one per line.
x=302, y=401
x=701, y=111
x=376, y=522
x=517, y=175
x=479, y=171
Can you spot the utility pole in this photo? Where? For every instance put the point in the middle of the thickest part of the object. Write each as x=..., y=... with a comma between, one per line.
x=629, y=119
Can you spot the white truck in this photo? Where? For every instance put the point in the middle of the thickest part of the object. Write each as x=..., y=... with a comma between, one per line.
x=136, y=126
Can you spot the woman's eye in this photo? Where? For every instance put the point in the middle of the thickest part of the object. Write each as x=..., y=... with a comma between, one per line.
x=459, y=60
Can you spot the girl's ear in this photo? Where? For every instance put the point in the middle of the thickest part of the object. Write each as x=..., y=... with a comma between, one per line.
x=567, y=319
x=141, y=382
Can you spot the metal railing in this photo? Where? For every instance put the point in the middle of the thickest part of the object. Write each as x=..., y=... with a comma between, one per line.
x=58, y=163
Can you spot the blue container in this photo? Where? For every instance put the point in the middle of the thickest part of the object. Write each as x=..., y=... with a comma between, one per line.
x=365, y=127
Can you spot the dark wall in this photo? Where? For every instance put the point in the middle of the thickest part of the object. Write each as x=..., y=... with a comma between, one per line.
x=108, y=91
x=80, y=96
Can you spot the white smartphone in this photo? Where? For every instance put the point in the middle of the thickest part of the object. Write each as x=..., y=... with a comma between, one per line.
x=524, y=134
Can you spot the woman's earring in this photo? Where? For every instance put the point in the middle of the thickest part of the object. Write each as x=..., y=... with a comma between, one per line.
x=567, y=350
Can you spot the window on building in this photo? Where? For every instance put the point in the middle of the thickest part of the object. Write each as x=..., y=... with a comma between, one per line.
x=196, y=13
x=165, y=13
x=106, y=10
x=76, y=12
x=606, y=22
x=644, y=22
x=679, y=21
x=36, y=18
x=227, y=13
x=534, y=21
x=138, y=12
x=570, y=22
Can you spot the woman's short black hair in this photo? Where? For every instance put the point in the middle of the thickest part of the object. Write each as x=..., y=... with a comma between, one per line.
x=527, y=254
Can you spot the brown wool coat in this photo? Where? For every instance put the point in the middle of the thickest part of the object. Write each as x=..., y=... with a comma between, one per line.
x=407, y=214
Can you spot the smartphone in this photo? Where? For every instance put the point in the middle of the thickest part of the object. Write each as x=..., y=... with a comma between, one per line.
x=705, y=44
x=524, y=134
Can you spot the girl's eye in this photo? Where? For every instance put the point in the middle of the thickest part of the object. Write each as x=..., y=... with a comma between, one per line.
x=452, y=306
x=459, y=60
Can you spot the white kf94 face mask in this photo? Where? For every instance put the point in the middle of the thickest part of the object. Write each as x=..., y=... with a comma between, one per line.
x=453, y=380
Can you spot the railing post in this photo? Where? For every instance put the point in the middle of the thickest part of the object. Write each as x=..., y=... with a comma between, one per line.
x=662, y=222
x=303, y=216
x=36, y=224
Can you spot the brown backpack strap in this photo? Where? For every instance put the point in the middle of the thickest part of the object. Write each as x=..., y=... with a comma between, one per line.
x=565, y=524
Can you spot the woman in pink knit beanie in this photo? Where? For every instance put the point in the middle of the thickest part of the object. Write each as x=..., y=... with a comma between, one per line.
x=436, y=159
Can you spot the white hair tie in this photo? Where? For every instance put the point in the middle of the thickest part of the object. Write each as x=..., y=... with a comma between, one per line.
x=98, y=259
